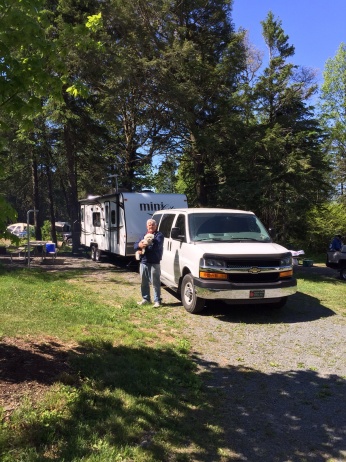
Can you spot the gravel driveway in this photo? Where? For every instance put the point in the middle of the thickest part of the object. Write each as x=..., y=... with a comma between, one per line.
x=280, y=378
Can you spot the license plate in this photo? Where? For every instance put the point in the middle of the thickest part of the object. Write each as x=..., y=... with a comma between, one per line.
x=256, y=294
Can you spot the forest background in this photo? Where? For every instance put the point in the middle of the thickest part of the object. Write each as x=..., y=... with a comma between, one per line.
x=167, y=96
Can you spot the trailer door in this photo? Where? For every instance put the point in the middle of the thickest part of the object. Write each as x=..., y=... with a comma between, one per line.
x=117, y=228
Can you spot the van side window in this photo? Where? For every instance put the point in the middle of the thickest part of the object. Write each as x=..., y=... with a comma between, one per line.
x=166, y=224
x=157, y=218
x=180, y=223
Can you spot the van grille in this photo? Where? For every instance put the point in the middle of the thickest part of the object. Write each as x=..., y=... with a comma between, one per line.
x=253, y=278
x=240, y=269
x=253, y=262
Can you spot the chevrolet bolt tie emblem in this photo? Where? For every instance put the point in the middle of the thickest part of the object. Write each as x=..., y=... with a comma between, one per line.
x=254, y=270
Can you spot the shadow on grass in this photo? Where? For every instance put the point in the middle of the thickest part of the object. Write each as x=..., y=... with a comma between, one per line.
x=150, y=400
x=32, y=362
x=318, y=274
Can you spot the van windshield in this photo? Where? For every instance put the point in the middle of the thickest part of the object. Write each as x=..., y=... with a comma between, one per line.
x=226, y=227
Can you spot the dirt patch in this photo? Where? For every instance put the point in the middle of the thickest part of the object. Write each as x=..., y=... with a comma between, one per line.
x=28, y=367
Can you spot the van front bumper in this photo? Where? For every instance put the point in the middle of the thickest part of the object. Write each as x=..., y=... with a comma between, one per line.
x=222, y=290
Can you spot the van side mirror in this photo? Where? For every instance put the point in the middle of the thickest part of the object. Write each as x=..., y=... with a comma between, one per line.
x=175, y=234
x=272, y=233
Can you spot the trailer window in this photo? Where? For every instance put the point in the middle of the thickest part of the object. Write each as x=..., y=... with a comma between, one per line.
x=96, y=219
x=113, y=217
x=106, y=212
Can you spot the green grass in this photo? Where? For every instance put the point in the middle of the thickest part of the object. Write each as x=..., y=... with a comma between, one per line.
x=132, y=393
x=329, y=292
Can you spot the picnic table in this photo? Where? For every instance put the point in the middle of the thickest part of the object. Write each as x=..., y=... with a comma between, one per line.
x=42, y=249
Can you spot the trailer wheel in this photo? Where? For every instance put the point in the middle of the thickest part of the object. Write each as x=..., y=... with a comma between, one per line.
x=93, y=253
x=343, y=274
x=191, y=302
x=97, y=254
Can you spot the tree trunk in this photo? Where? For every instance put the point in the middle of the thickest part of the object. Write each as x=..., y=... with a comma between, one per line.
x=72, y=190
x=36, y=199
x=51, y=206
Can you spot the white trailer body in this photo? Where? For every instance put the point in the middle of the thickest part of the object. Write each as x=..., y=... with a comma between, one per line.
x=113, y=223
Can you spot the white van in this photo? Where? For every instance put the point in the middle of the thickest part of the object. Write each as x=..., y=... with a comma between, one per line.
x=223, y=254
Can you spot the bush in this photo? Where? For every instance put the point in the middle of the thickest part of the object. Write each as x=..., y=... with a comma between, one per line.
x=324, y=223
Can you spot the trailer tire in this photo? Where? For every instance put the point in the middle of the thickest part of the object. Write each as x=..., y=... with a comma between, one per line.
x=97, y=254
x=93, y=252
x=343, y=274
x=190, y=301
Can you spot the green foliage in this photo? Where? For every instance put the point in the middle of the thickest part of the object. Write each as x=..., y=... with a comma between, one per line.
x=25, y=54
x=46, y=230
x=333, y=114
x=7, y=216
x=324, y=222
x=94, y=22
x=280, y=170
x=166, y=95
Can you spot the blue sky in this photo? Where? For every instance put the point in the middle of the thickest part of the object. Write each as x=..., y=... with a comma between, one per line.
x=316, y=28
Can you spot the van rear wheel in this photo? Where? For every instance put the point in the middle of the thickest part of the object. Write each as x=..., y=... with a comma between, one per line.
x=343, y=274
x=191, y=302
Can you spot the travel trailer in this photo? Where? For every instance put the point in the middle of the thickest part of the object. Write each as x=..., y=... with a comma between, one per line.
x=111, y=224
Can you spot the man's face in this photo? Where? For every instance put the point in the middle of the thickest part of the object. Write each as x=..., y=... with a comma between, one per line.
x=151, y=227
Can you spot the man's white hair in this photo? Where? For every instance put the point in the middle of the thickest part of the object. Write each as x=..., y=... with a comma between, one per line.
x=151, y=221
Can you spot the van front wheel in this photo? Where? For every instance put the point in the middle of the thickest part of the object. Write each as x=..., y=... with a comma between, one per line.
x=190, y=301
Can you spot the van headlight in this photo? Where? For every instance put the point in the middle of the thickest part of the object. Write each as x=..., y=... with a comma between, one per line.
x=286, y=260
x=212, y=263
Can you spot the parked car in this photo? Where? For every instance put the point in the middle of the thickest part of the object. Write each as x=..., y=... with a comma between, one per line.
x=67, y=238
x=62, y=227
x=20, y=230
x=16, y=228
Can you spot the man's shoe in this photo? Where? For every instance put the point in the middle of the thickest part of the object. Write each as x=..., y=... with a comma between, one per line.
x=157, y=305
x=143, y=302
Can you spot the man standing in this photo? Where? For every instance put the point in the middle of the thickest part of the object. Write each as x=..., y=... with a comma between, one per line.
x=336, y=244
x=149, y=267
